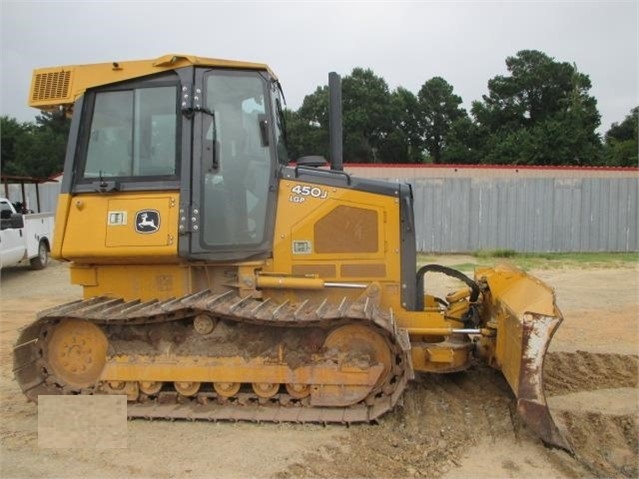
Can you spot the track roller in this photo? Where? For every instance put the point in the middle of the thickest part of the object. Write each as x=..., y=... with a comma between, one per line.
x=298, y=391
x=226, y=390
x=187, y=389
x=266, y=390
x=150, y=388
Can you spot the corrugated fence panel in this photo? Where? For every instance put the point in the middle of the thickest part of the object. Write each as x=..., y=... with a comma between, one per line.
x=632, y=230
x=456, y=215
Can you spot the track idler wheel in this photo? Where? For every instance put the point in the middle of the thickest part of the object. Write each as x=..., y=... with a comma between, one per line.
x=358, y=344
x=76, y=352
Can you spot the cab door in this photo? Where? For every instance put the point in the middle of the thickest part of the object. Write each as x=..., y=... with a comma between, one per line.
x=233, y=178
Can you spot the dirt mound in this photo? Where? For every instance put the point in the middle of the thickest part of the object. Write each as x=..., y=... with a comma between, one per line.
x=444, y=416
x=584, y=371
x=606, y=445
x=603, y=435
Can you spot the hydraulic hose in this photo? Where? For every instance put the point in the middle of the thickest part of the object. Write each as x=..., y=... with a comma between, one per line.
x=437, y=268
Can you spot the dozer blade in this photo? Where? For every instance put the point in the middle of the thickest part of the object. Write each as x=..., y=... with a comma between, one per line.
x=522, y=309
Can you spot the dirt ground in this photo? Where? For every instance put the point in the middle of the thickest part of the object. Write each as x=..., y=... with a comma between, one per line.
x=454, y=426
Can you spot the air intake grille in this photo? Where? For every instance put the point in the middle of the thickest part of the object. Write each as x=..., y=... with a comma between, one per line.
x=51, y=86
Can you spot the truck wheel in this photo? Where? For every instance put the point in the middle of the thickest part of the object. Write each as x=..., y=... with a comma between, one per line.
x=40, y=261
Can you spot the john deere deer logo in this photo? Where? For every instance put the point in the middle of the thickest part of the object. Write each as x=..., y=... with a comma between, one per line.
x=147, y=221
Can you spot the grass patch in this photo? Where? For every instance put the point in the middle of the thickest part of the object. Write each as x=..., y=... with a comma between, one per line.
x=498, y=253
x=528, y=261
x=465, y=267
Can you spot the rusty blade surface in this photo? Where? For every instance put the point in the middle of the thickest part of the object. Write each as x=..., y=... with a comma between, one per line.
x=537, y=332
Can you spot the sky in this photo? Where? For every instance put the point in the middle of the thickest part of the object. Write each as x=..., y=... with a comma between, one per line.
x=406, y=43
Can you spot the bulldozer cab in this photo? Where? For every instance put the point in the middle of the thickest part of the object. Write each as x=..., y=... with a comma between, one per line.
x=214, y=134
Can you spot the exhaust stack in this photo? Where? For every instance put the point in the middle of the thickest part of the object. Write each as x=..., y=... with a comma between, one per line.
x=335, y=120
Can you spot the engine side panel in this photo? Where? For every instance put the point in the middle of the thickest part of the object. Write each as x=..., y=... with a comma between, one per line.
x=336, y=233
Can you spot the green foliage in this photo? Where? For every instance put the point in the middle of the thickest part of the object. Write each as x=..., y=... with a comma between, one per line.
x=463, y=142
x=540, y=114
x=367, y=115
x=497, y=253
x=622, y=145
x=379, y=126
x=307, y=128
x=34, y=149
x=403, y=143
x=439, y=108
x=11, y=132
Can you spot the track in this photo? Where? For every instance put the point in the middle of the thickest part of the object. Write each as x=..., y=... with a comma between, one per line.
x=251, y=322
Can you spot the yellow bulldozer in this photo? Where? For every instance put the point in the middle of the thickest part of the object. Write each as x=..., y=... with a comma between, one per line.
x=223, y=282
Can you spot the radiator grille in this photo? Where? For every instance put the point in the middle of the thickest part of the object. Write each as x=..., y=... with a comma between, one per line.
x=51, y=86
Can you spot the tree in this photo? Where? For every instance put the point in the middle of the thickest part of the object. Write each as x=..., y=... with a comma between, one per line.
x=34, y=149
x=366, y=116
x=11, y=131
x=439, y=108
x=462, y=142
x=539, y=114
x=621, y=141
x=403, y=143
x=307, y=128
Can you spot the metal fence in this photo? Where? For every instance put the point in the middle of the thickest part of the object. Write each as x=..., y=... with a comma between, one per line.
x=529, y=215
x=590, y=214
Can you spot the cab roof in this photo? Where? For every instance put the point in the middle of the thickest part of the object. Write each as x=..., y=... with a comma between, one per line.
x=55, y=87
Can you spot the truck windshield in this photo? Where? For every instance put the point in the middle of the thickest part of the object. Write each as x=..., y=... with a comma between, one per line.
x=235, y=188
x=133, y=133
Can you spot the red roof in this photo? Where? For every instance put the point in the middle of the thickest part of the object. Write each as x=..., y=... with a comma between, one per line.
x=491, y=167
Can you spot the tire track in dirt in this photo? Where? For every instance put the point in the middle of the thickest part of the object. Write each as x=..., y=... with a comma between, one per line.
x=445, y=415
x=441, y=418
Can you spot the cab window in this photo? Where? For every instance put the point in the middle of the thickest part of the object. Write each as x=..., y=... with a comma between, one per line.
x=133, y=134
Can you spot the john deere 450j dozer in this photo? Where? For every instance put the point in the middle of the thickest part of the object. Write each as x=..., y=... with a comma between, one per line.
x=221, y=283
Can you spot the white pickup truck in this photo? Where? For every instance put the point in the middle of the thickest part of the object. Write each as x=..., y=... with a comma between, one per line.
x=24, y=236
